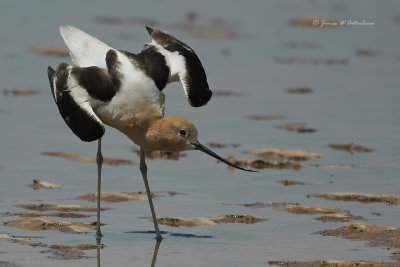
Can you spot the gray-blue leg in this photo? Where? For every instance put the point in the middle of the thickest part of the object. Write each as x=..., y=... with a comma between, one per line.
x=143, y=169
x=155, y=253
x=99, y=161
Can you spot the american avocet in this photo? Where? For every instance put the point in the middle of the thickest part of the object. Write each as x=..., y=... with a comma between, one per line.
x=124, y=90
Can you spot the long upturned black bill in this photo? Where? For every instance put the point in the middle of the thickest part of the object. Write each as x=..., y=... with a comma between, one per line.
x=200, y=147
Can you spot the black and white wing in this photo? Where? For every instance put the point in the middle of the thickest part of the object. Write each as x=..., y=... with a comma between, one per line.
x=74, y=90
x=184, y=65
x=105, y=84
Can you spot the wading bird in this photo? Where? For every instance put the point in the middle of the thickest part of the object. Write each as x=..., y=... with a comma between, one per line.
x=124, y=91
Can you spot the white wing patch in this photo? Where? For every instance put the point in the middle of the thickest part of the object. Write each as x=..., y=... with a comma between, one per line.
x=84, y=49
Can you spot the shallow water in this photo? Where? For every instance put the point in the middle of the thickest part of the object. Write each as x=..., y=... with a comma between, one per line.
x=355, y=102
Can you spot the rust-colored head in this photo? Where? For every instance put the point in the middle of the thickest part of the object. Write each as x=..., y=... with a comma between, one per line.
x=177, y=134
x=171, y=134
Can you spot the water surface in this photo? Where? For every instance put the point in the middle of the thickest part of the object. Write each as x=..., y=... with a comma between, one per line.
x=353, y=102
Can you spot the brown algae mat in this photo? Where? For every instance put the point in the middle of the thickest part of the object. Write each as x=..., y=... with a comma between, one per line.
x=227, y=93
x=292, y=182
x=331, y=166
x=75, y=156
x=296, y=127
x=360, y=197
x=115, y=196
x=376, y=235
x=329, y=214
x=351, y=148
x=264, y=164
x=251, y=205
x=37, y=184
x=19, y=92
x=312, y=61
x=222, y=145
x=264, y=117
x=366, y=53
x=49, y=51
x=61, y=208
x=210, y=221
x=156, y=154
x=26, y=240
x=284, y=154
x=38, y=224
x=106, y=160
x=124, y=20
x=333, y=263
x=299, y=90
x=279, y=158
x=48, y=214
x=70, y=252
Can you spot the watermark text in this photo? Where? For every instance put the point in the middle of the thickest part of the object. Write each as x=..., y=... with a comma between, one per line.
x=341, y=22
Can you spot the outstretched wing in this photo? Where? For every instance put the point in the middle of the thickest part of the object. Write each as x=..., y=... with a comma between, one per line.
x=184, y=65
x=84, y=49
x=73, y=100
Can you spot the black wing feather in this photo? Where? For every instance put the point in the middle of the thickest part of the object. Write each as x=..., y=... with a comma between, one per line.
x=195, y=79
x=78, y=117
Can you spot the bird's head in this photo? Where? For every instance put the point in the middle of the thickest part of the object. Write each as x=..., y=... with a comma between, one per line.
x=178, y=134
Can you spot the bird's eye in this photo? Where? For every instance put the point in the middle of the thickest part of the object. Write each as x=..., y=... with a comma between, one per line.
x=182, y=132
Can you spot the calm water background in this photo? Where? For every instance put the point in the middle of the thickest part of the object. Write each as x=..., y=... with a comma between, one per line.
x=356, y=102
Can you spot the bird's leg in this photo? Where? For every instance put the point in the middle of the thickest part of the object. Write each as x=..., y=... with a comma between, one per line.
x=99, y=161
x=143, y=169
x=155, y=253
